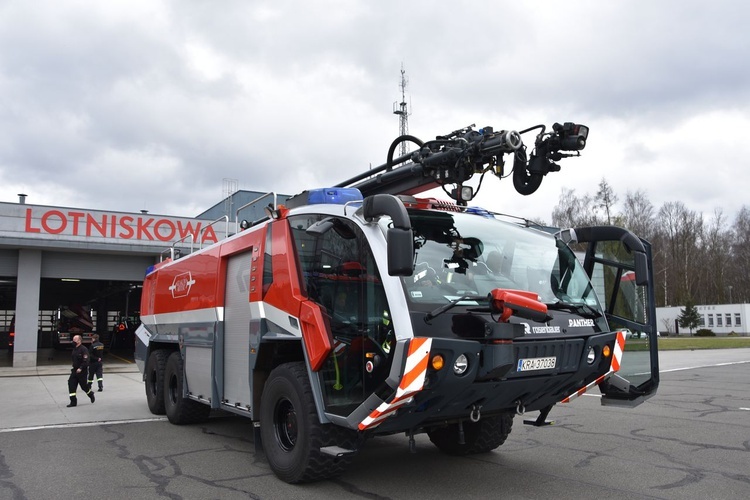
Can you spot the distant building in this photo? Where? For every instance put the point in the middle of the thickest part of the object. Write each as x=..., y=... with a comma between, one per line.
x=722, y=319
x=240, y=206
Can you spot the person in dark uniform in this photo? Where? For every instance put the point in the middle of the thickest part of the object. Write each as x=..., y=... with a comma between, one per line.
x=96, y=353
x=78, y=373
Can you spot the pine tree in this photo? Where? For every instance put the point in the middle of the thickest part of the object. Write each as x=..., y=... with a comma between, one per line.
x=689, y=317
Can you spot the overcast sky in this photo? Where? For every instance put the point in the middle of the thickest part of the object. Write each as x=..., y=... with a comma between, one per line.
x=131, y=105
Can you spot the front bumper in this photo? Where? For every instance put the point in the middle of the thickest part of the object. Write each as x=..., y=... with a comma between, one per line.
x=493, y=383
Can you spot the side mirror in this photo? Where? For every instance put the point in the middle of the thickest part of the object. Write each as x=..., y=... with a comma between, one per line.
x=641, y=269
x=400, y=252
x=400, y=237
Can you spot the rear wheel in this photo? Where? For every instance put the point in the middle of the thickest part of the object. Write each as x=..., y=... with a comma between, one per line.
x=479, y=437
x=291, y=432
x=180, y=410
x=155, y=366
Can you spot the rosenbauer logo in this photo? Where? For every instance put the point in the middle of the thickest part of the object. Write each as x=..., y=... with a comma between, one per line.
x=181, y=285
x=116, y=226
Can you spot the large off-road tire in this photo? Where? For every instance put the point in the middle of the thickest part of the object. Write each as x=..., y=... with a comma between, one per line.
x=291, y=432
x=479, y=437
x=180, y=410
x=155, y=366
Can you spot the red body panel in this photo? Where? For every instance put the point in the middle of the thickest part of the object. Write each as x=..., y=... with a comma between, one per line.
x=186, y=285
x=198, y=282
x=285, y=292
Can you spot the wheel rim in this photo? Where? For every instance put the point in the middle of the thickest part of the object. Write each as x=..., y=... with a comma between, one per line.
x=285, y=424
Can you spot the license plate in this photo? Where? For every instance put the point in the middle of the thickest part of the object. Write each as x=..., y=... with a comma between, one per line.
x=529, y=364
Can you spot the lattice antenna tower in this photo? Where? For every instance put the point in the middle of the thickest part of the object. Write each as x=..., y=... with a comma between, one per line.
x=230, y=187
x=401, y=109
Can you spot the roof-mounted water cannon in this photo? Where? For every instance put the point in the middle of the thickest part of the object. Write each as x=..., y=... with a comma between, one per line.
x=519, y=303
x=572, y=136
x=450, y=160
x=528, y=174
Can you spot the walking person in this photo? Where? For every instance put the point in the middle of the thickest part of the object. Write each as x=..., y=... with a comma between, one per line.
x=96, y=354
x=78, y=373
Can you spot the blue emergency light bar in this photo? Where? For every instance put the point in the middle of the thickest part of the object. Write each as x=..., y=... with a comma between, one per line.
x=333, y=196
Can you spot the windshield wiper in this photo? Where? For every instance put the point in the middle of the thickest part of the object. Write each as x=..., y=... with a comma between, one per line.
x=582, y=309
x=450, y=305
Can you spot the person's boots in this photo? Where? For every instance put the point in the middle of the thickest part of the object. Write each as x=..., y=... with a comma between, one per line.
x=91, y=395
x=101, y=386
x=73, y=402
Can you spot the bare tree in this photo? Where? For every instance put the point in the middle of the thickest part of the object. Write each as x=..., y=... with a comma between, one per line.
x=606, y=199
x=638, y=215
x=740, y=263
x=717, y=257
x=683, y=232
x=572, y=211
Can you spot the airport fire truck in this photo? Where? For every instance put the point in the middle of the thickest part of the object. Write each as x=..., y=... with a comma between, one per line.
x=72, y=320
x=363, y=310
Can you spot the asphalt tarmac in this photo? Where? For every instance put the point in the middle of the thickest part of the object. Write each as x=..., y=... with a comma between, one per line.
x=689, y=442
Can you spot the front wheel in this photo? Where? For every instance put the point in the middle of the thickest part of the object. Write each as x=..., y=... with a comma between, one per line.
x=479, y=437
x=291, y=432
x=180, y=410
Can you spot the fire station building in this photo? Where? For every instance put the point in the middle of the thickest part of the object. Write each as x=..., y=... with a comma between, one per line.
x=54, y=258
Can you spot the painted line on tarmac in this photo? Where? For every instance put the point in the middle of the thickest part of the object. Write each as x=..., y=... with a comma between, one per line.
x=703, y=366
x=683, y=369
x=84, y=424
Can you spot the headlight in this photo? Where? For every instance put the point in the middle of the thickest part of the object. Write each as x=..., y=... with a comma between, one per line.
x=461, y=364
x=591, y=356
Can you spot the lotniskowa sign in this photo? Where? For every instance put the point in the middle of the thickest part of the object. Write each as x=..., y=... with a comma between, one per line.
x=91, y=226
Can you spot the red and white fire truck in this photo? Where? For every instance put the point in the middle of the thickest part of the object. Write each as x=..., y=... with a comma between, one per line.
x=362, y=310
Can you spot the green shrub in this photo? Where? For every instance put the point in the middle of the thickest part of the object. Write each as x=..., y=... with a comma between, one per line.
x=733, y=334
x=704, y=332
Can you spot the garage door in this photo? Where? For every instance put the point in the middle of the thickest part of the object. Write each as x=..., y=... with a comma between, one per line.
x=95, y=266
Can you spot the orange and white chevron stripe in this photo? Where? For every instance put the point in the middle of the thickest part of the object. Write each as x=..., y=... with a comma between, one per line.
x=613, y=367
x=412, y=382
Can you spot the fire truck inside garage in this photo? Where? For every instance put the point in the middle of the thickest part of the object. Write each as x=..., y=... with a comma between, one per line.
x=70, y=306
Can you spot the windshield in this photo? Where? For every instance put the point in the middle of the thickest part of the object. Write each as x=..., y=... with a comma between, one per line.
x=459, y=254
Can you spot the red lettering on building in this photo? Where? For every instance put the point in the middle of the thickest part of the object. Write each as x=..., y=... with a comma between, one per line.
x=112, y=226
x=76, y=217
x=170, y=230
x=143, y=229
x=62, y=220
x=28, y=228
x=128, y=231
x=208, y=235
x=92, y=223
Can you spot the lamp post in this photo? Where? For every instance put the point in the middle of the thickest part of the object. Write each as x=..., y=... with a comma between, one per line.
x=730, y=294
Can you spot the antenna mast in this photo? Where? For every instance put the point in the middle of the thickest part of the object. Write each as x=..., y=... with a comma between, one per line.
x=402, y=112
x=229, y=187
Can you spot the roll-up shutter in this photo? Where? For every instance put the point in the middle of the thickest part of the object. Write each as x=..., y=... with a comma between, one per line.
x=94, y=266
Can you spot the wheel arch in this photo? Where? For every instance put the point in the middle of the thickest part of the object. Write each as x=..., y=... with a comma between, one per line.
x=270, y=355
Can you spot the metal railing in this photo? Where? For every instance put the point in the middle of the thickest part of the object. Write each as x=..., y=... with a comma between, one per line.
x=256, y=200
x=174, y=253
